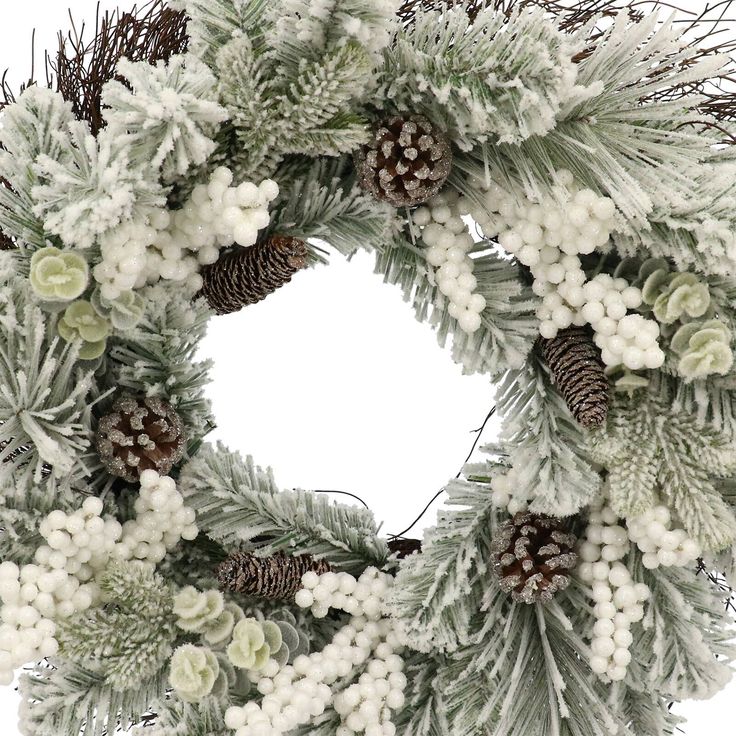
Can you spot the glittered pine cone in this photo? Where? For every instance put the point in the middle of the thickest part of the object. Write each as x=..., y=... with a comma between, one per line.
x=533, y=557
x=278, y=577
x=407, y=161
x=140, y=434
x=245, y=276
x=579, y=374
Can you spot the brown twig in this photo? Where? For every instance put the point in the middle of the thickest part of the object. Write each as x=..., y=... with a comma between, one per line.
x=80, y=69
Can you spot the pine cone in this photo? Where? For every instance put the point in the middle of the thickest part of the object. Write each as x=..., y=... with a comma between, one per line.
x=579, y=374
x=533, y=557
x=247, y=275
x=402, y=547
x=406, y=163
x=274, y=578
x=140, y=434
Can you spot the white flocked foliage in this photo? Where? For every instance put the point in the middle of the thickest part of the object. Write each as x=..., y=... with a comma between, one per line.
x=170, y=113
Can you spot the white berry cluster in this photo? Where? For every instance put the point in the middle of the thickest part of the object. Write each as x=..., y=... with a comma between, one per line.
x=173, y=244
x=162, y=520
x=79, y=543
x=624, y=339
x=299, y=692
x=341, y=590
x=661, y=545
x=448, y=241
x=549, y=237
x=25, y=633
x=504, y=493
x=618, y=600
x=35, y=596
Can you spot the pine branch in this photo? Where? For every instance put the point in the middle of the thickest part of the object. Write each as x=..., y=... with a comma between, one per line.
x=523, y=676
x=31, y=127
x=630, y=141
x=71, y=699
x=213, y=23
x=157, y=358
x=546, y=447
x=131, y=637
x=438, y=592
x=45, y=417
x=675, y=463
x=509, y=326
x=274, y=114
x=237, y=502
x=322, y=200
x=684, y=644
x=490, y=77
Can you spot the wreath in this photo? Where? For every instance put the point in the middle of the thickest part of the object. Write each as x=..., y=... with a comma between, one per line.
x=553, y=188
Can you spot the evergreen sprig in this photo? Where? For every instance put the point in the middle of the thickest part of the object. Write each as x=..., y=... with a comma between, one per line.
x=131, y=637
x=237, y=502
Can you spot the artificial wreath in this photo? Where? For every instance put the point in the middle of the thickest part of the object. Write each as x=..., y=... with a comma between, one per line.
x=553, y=187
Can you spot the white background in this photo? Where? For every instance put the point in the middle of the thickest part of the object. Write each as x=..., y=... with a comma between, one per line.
x=330, y=380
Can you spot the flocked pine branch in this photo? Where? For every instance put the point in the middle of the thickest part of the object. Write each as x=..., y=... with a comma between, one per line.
x=45, y=416
x=655, y=455
x=169, y=112
x=65, y=698
x=237, y=502
x=489, y=78
x=523, y=676
x=131, y=637
x=307, y=29
x=157, y=358
x=322, y=200
x=91, y=186
x=508, y=324
x=30, y=128
x=274, y=114
x=438, y=592
x=684, y=646
x=213, y=23
x=546, y=446
x=629, y=142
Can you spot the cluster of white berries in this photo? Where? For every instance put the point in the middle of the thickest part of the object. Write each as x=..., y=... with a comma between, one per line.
x=549, y=237
x=173, y=244
x=79, y=543
x=25, y=633
x=618, y=600
x=297, y=693
x=624, y=339
x=78, y=548
x=341, y=590
x=504, y=494
x=35, y=596
x=161, y=520
x=448, y=241
x=661, y=545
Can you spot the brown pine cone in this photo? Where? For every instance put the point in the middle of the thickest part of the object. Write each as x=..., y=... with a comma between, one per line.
x=406, y=163
x=579, y=374
x=245, y=276
x=140, y=434
x=274, y=578
x=533, y=557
